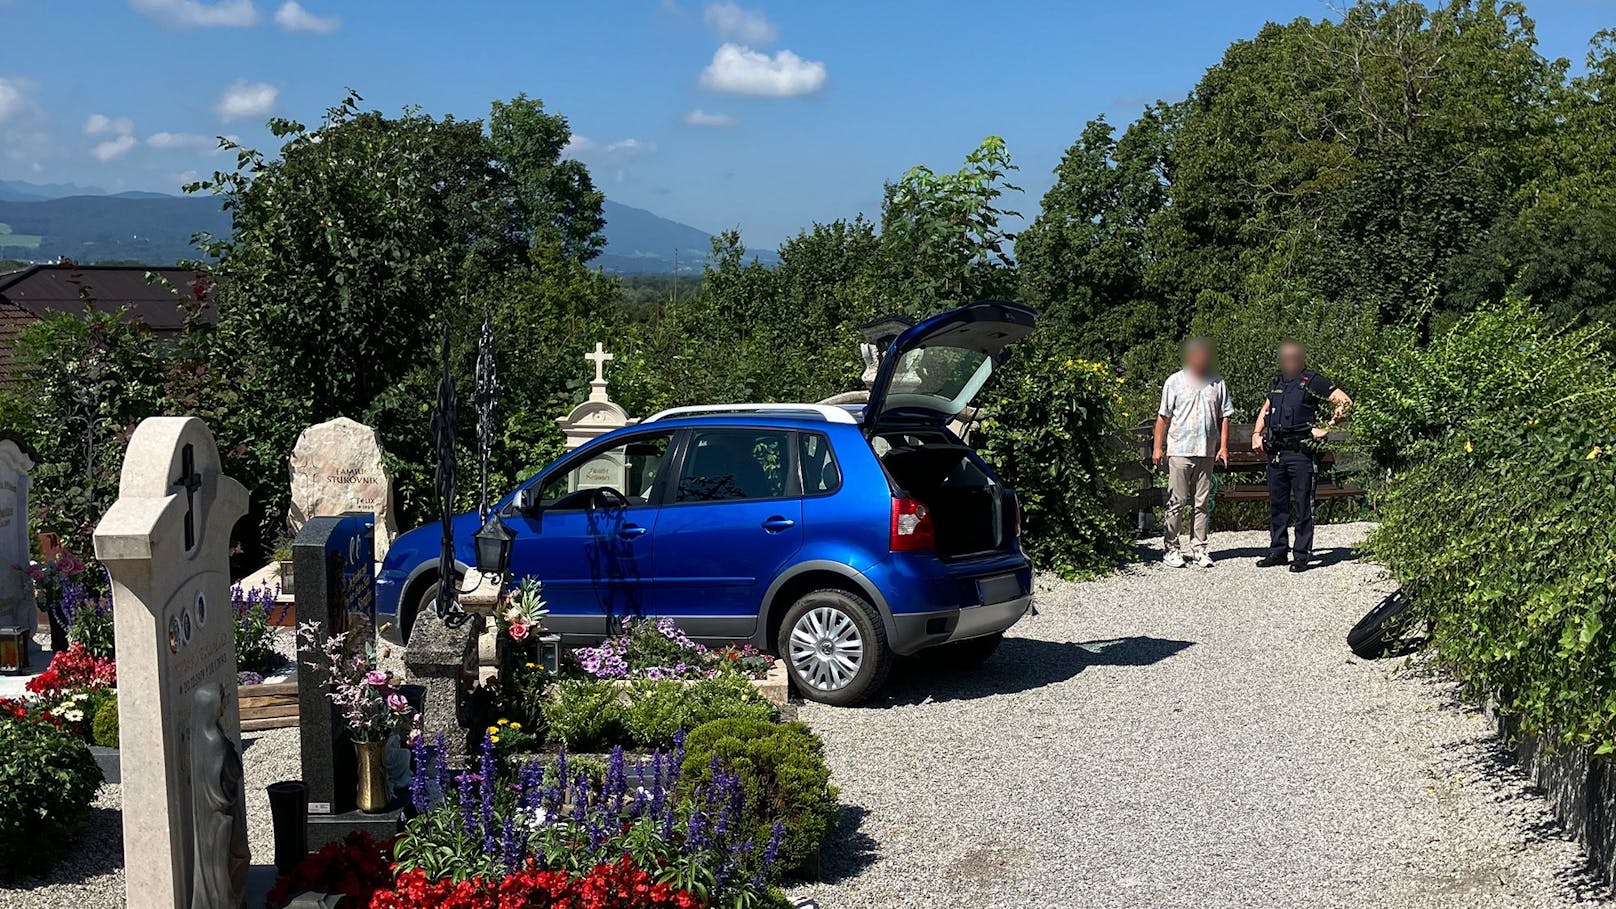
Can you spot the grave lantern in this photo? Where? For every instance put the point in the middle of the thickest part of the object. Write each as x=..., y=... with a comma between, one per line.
x=13, y=650
x=494, y=547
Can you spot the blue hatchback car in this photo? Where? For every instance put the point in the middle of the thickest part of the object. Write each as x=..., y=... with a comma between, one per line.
x=834, y=537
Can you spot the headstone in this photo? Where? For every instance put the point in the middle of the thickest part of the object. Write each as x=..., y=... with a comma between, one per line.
x=338, y=595
x=878, y=336
x=337, y=467
x=16, y=591
x=442, y=657
x=598, y=414
x=166, y=544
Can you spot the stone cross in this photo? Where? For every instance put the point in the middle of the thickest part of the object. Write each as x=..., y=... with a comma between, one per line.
x=166, y=544
x=600, y=358
x=16, y=591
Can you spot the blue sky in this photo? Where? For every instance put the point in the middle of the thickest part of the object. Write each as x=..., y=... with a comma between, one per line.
x=761, y=115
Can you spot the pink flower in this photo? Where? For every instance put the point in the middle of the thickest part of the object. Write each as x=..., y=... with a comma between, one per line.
x=518, y=631
x=376, y=678
x=398, y=703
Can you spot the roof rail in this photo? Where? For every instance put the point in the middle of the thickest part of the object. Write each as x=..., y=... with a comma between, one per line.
x=828, y=413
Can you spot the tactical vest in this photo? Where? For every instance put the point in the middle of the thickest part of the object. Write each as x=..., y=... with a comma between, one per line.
x=1292, y=406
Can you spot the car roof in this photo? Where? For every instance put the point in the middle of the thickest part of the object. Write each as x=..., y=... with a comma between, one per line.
x=775, y=420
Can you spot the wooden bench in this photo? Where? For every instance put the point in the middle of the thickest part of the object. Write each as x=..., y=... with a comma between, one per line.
x=1243, y=480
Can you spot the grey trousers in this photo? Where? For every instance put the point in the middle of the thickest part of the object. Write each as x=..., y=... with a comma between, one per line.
x=1189, y=480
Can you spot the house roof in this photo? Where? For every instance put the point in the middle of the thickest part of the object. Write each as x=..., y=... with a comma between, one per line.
x=41, y=290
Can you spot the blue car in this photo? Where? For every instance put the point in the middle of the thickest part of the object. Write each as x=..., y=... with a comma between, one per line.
x=834, y=537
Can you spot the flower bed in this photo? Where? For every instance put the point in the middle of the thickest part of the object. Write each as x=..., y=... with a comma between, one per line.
x=658, y=650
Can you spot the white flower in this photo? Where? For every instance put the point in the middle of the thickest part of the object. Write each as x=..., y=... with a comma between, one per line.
x=540, y=817
x=74, y=716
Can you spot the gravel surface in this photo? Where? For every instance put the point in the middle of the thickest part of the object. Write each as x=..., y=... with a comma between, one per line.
x=90, y=875
x=1158, y=738
x=1187, y=738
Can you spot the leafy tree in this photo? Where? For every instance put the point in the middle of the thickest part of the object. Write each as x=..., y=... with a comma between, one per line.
x=941, y=233
x=558, y=198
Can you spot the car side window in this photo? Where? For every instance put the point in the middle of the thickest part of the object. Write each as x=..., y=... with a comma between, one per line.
x=730, y=464
x=820, y=474
x=630, y=469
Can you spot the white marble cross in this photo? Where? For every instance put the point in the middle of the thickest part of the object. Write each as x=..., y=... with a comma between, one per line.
x=600, y=358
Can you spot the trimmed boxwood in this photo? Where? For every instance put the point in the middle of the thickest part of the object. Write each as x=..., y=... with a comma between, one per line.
x=783, y=774
x=47, y=779
x=104, y=729
x=590, y=714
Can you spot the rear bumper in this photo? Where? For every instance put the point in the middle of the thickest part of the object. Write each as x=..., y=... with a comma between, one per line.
x=917, y=631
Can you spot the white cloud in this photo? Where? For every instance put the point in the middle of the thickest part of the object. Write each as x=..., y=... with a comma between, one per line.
x=731, y=23
x=615, y=157
x=12, y=98
x=198, y=14
x=699, y=117
x=103, y=125
x=294, y=18
x=744, y=71
x=114, y=148
x=247, y=99
x=181, y=140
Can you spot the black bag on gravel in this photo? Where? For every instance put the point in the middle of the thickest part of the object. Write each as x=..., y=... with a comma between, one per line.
x=1376, y=632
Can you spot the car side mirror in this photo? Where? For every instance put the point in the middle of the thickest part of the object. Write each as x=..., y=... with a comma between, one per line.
x=526, y=502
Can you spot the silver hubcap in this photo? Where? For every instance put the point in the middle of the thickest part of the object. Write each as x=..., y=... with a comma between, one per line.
x=826, y=648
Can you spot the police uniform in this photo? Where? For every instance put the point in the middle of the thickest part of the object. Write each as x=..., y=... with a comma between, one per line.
x=1293, y=411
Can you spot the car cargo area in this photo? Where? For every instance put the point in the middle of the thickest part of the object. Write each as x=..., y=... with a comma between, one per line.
x=968, y=508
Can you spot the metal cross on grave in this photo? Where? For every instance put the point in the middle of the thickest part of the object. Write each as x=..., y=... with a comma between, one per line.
x=191, y=481
x=600, y=358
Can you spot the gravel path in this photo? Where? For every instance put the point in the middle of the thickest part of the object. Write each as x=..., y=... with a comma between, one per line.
x=1184, y=738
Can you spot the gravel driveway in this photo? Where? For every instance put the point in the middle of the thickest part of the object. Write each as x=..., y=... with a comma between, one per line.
x=1187, y=738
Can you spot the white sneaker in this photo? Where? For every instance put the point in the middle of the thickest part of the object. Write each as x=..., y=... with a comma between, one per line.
x=1174, y=559
x=1204, y=560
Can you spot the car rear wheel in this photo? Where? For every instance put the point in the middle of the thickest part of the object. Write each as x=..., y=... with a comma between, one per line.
x=835, y=647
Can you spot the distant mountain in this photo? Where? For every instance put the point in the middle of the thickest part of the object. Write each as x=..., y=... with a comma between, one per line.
x=41, y=222
x=20, y=191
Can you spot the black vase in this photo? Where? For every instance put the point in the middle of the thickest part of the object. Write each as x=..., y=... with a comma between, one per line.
x=289, y=810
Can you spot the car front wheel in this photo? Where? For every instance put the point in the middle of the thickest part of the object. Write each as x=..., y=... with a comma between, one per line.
x=835, y=647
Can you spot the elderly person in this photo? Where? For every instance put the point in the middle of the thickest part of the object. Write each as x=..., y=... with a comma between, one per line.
x=1192, y=430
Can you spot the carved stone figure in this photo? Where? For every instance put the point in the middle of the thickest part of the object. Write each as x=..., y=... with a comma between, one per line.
x=221, y=855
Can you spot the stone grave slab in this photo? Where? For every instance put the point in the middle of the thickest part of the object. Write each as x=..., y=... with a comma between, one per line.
x=338, y=468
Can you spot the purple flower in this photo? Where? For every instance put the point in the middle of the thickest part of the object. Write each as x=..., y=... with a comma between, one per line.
x=376, y=678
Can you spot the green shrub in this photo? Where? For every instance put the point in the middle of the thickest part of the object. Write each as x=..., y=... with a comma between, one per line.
x=1049, y=430
x=584, y=714
x=1497, y=515
x=104, y=729
x=594, y=715
x=658, y=710
x=783, y=774
x=92, y=627
x=47, y=779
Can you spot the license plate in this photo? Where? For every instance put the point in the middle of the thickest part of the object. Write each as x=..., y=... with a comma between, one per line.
x=999, y=588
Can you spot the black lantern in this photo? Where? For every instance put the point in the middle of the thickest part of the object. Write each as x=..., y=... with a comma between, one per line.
x=494, y=547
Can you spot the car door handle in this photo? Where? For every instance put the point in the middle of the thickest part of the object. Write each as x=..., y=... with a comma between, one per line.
x=778, y=523
x=630, y=531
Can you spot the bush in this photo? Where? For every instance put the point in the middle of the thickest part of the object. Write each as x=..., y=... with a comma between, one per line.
x=1501, y=428
x=589, y=715
x=255, y=637
x=92, y=627
x=47, y=779
x=658, y=710
x=584, y=714
x=783, y=775
x=104, y=729
x=1049, y=430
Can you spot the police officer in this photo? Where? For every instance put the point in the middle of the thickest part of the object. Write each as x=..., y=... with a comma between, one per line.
x=1287, y=430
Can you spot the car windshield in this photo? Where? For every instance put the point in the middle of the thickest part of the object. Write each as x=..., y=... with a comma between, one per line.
x=943, y=379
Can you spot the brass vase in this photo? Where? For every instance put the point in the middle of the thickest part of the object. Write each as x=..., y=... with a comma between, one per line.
x=372, y=796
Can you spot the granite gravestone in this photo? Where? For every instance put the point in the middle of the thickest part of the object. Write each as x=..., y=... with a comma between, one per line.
x=166, y=543
x=337, y=468
x=338, y=596
x=16, y=591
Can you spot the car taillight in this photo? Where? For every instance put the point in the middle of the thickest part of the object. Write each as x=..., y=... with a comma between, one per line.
x=911, y=526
